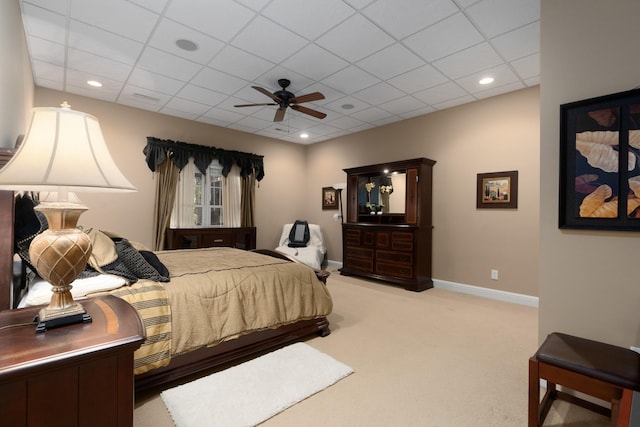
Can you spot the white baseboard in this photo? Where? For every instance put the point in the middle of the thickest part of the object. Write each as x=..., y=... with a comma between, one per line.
x=512, y=297
x=496, y=294
x=334, y=265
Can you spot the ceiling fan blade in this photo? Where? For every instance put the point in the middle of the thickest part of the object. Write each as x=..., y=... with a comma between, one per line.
x=309, y=111
x=253, y=105
x=279, y=114
x=314, y=96
x=266, y=92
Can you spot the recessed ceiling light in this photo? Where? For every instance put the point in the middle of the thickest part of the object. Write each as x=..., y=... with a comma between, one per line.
x=486, y=80
x=94, y=83
x=304, y=135
x=187, y=45
x=347, y=106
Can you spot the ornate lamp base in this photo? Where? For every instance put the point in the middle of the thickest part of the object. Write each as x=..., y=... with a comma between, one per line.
x=60, y=254
x=48, y=318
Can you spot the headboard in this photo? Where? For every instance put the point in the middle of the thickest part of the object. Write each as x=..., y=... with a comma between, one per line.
x=6, y=248
x=6, y=238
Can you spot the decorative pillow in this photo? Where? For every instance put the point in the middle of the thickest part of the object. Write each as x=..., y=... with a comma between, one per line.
x=153, y=260
x=103, y=251
x=137, y=264
x=40, y=290
x=28, y=224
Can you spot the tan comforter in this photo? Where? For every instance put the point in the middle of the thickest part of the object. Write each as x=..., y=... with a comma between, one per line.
x=216, y=294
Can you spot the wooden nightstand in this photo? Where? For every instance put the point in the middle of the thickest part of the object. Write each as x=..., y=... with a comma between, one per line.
x=75, y=375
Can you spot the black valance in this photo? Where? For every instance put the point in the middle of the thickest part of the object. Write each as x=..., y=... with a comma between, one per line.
x=156, y=152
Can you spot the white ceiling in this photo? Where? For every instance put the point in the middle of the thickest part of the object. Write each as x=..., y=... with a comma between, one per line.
x=388, y=59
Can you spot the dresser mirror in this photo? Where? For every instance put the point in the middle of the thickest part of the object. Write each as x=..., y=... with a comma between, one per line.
x=382, y=193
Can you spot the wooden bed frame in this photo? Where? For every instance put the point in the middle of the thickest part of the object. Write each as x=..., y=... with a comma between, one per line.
x=223, y=354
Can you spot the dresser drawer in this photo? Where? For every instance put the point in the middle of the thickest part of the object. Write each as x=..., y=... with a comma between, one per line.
x=401, y=241
x=221, y=238
x=394, y=257
x=397, y=270
x=359, y=258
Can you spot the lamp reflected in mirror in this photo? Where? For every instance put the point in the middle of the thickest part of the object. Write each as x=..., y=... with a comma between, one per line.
x=339, y=187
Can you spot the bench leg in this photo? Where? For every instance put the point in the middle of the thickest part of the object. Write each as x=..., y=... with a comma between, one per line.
x=621, y=410
x=534, y=394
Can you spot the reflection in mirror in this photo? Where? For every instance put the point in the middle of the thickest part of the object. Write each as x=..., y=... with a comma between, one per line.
x=382, y=194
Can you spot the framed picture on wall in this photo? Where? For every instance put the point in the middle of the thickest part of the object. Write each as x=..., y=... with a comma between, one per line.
x=600, y=163
x=497, y=190
x=329, y=198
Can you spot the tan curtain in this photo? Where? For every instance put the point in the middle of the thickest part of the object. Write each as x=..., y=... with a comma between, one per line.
x=248, y=200
x=166, y=184
x=232, y=198
x=183, y=206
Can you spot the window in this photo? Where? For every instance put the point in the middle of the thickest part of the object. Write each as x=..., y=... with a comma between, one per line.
x=207, y=196
x=207, y=200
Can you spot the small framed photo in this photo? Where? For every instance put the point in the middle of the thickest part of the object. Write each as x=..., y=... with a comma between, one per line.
x=497, y=190
x=329, y=198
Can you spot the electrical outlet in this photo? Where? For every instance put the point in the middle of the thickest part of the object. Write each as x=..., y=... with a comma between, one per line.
x=494, y=274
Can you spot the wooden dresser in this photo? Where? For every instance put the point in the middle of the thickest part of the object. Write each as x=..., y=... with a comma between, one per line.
x=75, y=375
x=387, y=234
x=192, y=238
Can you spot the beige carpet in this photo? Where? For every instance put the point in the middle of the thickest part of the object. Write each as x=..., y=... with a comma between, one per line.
x=435, y=358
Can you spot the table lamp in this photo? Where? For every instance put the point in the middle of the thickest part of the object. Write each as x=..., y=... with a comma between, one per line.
x=63, y=151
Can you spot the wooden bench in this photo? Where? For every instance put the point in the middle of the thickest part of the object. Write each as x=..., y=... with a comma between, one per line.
x=600, y=370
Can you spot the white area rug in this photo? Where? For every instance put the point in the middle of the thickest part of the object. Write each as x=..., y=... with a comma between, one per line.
x=250, y=393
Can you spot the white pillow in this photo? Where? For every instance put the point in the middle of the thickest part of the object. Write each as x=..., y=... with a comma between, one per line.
x=40, y=291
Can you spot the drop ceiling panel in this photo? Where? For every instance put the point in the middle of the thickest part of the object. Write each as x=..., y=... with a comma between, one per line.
x=444, y=38
x=169, y=32
x=392, y=16
x=468, y=61
x=495, y=17
x=103, y=43
x=310, y=19
x=390, y=62
x=518, y=43
x=355, y=39
x=266, y=39
x=222, y=19
x=134, y=22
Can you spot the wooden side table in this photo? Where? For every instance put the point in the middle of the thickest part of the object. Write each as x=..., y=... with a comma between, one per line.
x=75, y=375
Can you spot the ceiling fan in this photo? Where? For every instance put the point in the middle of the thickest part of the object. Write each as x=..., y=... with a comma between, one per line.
x=283, y=99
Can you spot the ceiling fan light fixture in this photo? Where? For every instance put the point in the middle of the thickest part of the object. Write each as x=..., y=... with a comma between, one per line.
x=187, y=45
x=285, y=99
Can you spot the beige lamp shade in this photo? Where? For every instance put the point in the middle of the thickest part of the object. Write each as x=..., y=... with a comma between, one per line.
x=63, y=148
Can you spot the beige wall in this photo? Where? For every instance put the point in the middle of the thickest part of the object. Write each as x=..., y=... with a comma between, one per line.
x=496, y=134
x=588, y=280
x=16, y=81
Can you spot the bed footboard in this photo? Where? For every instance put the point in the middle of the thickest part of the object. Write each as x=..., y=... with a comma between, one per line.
x=230, y=352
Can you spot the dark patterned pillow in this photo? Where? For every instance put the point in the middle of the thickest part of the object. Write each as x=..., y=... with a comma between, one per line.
x=137, y=264
x=28, y=224
x=152, y=259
